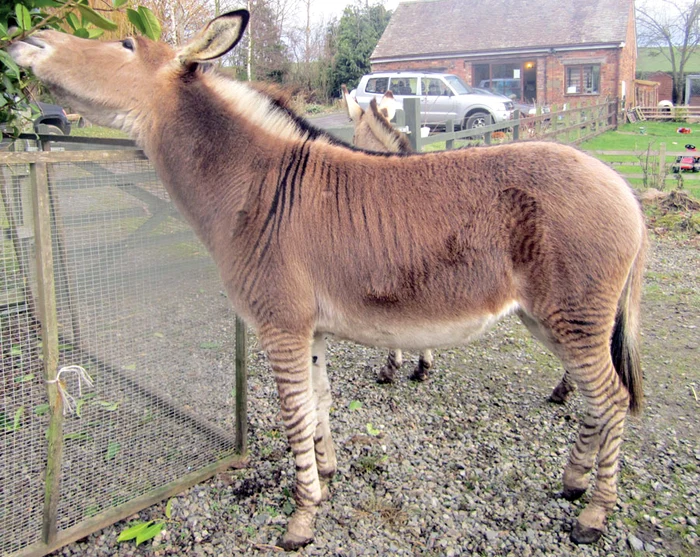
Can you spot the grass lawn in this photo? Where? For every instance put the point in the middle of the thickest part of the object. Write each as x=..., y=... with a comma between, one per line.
x=629, y=137
x=97, y=131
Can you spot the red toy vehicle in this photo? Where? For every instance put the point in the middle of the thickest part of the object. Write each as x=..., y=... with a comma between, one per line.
x=689, y=162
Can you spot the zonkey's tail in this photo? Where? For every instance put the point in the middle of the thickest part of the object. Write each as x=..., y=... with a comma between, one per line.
x=624, y=345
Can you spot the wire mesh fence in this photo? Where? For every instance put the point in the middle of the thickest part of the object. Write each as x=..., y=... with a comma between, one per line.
x=91, y=238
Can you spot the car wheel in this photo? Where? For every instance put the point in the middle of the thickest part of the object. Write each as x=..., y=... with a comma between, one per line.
x=48, y=129
x=478, y=120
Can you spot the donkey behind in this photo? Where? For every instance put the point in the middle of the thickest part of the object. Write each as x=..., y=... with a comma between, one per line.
x=311, y=239
x=374, y=132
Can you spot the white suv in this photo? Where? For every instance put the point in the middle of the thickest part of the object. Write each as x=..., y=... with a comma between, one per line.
x=443, y=97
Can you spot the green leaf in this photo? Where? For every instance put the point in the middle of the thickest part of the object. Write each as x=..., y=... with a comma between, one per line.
x=107, y=405
x=12, y=68
x=73, y=21
x=82, y=33
x=41, y=409
x=96, y=19
x=372, y=430
x=24, y=378
x=95, y=33
x=18, y=418
x=288, y=507
x=355, y=405
x=47, y=4
x=16, y=350
x=149, y=533
x=129, y=367
x=118, y=3
x=79, y=407
x=112, y=450
x=24, y=19
x=169, y=508
x=151, y=27
x=133, y=530
x=135, y=19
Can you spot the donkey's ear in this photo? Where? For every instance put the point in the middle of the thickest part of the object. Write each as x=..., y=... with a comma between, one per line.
x=216, y=39
x=388, y=106
x=354, y=110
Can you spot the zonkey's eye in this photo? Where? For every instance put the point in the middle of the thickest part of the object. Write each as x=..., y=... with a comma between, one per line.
x=128, y=44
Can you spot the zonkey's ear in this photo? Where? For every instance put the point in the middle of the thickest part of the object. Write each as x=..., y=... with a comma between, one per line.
x=216, y=39
x=354, y=110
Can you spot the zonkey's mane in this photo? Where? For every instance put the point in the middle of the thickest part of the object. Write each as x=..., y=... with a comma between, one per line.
x=281, y=98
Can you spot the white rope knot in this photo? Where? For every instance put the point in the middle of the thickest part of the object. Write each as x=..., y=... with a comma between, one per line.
x=66, y=398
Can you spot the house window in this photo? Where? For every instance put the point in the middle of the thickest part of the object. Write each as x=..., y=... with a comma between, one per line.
x=504, y=79
x=583, y=80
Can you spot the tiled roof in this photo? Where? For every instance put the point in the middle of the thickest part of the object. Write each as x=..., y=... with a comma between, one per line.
x=427, y=27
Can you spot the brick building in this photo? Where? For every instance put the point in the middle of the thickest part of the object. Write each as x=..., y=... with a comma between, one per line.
x=653, y=64
x=543, y=51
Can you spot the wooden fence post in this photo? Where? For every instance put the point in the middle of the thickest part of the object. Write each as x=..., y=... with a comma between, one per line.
x=241, y=386
x=662, y=165
x=400, y=118
x=449, y=128
x=49, y=337
x=411, y=107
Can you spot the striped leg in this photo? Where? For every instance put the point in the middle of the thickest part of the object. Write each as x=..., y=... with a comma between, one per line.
x=289, y=357
x=326, y=462
x=393, y=362
x=563, y=390
x=600, y=434
x=425, y=362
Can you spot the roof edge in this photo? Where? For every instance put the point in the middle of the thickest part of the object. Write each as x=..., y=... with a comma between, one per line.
x=504, y=52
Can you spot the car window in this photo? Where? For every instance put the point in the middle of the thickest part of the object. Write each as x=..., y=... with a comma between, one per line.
x=458, y=85
x=376, y=85
x=404, y=85
x=434, y=87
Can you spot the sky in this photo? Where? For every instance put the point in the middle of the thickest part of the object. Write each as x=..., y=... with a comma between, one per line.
x=329, y=8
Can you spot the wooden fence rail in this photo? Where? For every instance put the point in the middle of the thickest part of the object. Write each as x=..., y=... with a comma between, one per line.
x=573, y=125
x=652, y=167
x=681, y=114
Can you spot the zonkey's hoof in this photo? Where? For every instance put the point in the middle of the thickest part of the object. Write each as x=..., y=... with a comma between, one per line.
x=583, y=534
x=572, y=494
x=556, y=399
x=290, y=542
x=420, y=376
x=384, y=378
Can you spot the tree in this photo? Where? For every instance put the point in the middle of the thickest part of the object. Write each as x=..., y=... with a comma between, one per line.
x=180, y=19
x=268, y=53
x=672, y=27
x=359, y=30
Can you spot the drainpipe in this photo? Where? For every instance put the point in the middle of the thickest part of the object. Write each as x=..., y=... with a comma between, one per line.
x=617, y=74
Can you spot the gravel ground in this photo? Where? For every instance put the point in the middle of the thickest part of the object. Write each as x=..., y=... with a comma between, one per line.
x=468, y=463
